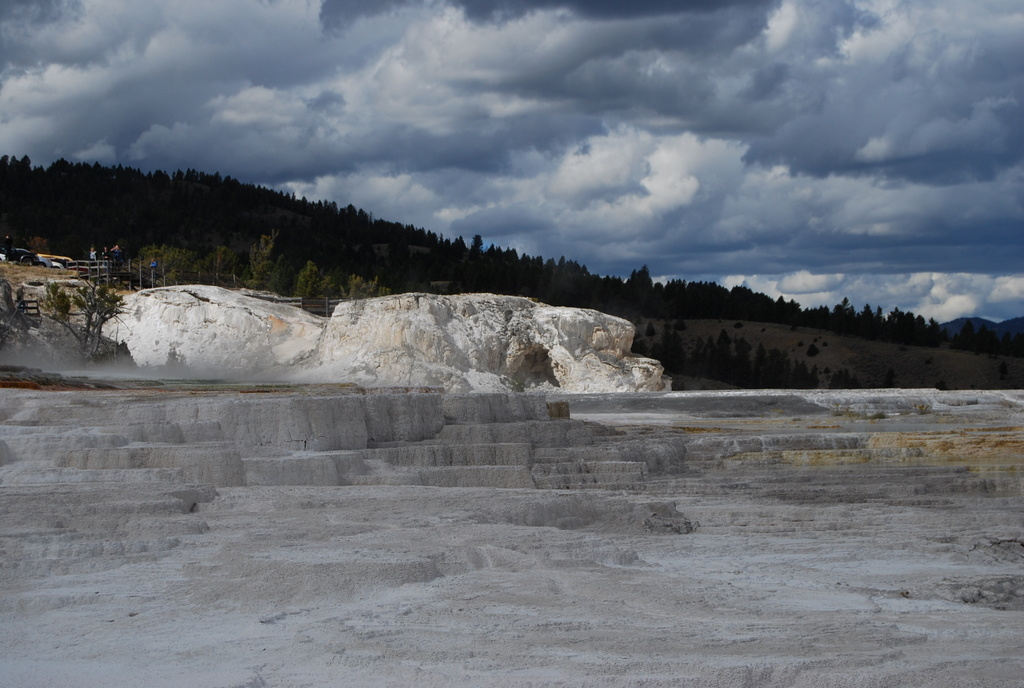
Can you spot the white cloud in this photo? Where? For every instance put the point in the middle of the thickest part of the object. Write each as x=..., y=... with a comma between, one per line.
x=803, y=282
x=1007, y=289
x=942, y=296
x=875, y=150
x=606, y=165
x=99, y=151
x=781, y=26
x=257, y=106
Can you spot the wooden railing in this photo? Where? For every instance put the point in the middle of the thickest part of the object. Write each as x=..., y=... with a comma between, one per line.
x=134, y=274
x=322, y=306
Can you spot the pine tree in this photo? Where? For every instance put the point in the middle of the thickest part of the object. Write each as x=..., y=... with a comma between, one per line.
x=309, y=284
x=260, y=265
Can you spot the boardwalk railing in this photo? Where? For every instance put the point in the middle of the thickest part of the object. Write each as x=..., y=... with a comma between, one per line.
x=322, y=306
x=134, y=274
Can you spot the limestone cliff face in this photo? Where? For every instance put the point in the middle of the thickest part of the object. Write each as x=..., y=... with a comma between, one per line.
x=474, y=342
x=479, y=342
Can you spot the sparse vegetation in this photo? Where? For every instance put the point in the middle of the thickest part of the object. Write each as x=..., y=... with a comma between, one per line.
x=83, y=311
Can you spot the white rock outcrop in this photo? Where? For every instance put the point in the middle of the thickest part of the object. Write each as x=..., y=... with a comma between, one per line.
x=479, y=342
x=472, y=342
x=216, y=330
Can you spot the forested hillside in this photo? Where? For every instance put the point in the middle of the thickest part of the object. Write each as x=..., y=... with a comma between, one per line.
x=194, y=223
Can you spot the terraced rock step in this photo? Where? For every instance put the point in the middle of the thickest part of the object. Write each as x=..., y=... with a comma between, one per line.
x=831, y=457
x=569, y=475
x=549, y=433
x=907, y=484
x=592, y=453
x=317, y=469
x=441, y=455
x=217, y=463
x=315, y=437
x=733, y=444
x=477, y=476
x=331, y=436
x=42, y=473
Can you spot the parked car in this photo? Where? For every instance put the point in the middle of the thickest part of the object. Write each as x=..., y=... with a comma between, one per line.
x=59, y=262
x=23, y=256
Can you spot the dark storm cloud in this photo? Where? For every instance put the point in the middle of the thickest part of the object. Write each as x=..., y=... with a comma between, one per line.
x=18, y=18
x=335, y=13
x=35, y=11
x=942, y=143
x=649, y=65
x=483, y=10
x=766, y=82
x=933, y=109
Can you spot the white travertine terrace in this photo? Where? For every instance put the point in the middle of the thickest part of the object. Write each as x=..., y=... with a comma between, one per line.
x=471, y=342
x=322, y=535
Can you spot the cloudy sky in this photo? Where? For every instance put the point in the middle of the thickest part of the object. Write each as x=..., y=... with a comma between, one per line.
x=811, y=148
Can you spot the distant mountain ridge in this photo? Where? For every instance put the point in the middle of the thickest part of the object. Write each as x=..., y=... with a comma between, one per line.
x=1013, y=326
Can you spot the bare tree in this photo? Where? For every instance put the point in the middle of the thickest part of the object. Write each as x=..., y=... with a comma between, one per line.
x=83, y=311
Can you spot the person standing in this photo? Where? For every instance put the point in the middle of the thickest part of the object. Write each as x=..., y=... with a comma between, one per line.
x=8, y=245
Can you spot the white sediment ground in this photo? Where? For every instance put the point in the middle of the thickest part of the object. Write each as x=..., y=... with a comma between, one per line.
x=861, y=540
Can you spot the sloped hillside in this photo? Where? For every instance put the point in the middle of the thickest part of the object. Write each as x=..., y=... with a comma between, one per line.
x=866, y=363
